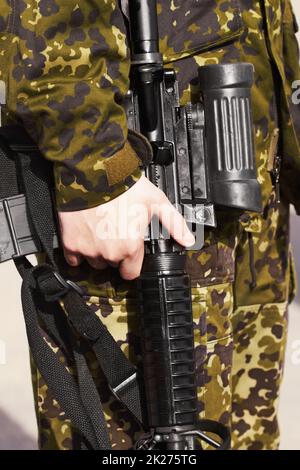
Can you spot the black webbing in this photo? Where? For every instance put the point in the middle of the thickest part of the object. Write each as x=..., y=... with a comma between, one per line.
x=37, y=187
x=113, y=362
x=77, y=395
x=61, y=383
x=8, y=178
x=90, y=396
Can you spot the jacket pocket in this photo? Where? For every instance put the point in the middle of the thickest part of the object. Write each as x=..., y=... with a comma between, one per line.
x=214, y=263
x=191, y=26
x=212, y=314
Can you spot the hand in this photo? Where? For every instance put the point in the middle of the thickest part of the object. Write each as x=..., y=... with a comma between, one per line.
x=113, y=233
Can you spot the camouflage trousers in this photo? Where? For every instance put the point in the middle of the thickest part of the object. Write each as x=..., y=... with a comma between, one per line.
x=241, y=284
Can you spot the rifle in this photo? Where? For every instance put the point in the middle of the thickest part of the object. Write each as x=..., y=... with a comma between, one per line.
x=203, y=156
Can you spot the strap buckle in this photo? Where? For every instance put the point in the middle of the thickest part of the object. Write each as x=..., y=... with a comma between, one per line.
x=67, y=284
x=53, y=285
x=118, y=389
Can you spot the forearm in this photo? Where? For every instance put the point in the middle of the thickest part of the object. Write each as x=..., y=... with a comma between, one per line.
x=69, y=75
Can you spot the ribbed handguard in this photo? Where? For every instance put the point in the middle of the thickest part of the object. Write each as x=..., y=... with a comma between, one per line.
x=168, y=341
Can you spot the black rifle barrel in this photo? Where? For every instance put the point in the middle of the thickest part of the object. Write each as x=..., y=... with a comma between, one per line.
x=167, y=328
x=144, y=27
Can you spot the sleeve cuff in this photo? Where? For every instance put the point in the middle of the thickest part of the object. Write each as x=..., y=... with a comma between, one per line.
x=105, y=180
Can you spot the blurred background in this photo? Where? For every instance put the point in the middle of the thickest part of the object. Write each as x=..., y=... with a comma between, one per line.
x=17, y=420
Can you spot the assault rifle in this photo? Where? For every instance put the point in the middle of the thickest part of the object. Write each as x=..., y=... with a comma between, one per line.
x=203, y=158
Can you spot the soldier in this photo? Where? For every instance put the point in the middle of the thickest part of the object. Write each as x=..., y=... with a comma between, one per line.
x=66, y=66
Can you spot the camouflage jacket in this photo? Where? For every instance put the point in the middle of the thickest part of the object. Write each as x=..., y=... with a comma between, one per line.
x=66, y=65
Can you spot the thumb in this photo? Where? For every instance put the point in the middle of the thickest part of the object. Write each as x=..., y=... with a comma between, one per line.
x=173, y=221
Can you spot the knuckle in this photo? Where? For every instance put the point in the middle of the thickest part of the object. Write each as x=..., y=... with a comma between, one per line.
x=113, y=257
x=132, y=250
x=88, y=250
x=131, y=275
x=90, y=253
x=70, y=246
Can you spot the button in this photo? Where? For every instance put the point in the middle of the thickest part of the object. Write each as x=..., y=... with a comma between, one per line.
x=244, y=218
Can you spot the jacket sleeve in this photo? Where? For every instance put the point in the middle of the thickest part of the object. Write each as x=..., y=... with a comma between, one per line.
x=69, y=74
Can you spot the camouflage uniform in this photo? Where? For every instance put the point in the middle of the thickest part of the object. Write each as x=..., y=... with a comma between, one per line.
x=67, y=69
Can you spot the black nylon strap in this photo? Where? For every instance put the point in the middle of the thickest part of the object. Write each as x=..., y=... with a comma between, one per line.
x=112, y=360
x=90, y=398
x=78, y=399
x=8, y=177
x=61, y=382
x=56, y=324
x=36, y=180
x=114, y=364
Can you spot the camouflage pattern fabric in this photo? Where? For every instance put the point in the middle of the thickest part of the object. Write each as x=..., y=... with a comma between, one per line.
x=241, y=279
x=59, y=59
x=240, y=336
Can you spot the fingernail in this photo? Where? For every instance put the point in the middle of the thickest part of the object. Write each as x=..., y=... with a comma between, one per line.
x=189, y=240
x=72, y=261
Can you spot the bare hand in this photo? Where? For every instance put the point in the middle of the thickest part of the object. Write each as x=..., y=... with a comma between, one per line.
x=113, y=233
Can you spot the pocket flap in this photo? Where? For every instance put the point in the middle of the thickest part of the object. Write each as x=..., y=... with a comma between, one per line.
x=189, y=26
